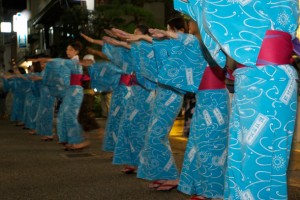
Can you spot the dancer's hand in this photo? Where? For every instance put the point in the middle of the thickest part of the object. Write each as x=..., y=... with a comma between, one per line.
x=158, y=33
x=87, y=38
x=120, y=33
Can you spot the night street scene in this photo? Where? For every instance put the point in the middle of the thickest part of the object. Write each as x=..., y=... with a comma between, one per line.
x=149, y=99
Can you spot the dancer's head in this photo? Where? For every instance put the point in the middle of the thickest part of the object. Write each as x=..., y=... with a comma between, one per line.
x=141, y=30
x=177, y=24
x=73, y=49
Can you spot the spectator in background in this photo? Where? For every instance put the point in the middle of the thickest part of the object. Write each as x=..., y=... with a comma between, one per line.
x=86, y=116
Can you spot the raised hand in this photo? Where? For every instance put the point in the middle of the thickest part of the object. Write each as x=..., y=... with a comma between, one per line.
x=110, y=33
x=87, y=38
x=115, y=42
x=158, y=33
x=120, y=33
x=39, y=59
x=91, y=40
x=110, y=40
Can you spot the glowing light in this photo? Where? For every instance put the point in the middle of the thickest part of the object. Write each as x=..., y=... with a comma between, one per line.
x=5, y=27
x=90, y=4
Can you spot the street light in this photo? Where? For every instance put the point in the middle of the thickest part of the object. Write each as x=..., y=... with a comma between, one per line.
x=5, y=27
x=90, y=4
x=20, y=26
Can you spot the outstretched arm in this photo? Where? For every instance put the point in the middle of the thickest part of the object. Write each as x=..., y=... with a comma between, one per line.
x=110, y=33
x=134, y=38
x=96, y=52
x=120, y=33
x=36, y=78
x=91, y=40
x=115, y=42
x=45, y=60
x=8, y=76
x=158, y=33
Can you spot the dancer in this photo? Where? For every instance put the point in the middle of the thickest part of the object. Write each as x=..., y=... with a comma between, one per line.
x=134, y=124
x=157, y=162
x=86, y=116
x=32, y=100
x=19, y=85
x=45, y=112
x=63, y=78
x=204, y=165
x=105, y=83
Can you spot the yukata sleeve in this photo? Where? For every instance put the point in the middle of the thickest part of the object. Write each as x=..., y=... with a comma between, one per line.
x=114, y=54
x=25, y=84
x=57, y=77
x=36, y=85
x=241, y=35
x=194, y=9
x=184, y=67
x=7, y=84
x=105, y=76
x=146, y=70
x=161, y=54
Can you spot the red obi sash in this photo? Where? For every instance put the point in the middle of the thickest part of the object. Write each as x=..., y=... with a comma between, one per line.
x=128, y=79
x=213, y=78
x=76, y=79
x=276, y=49
x=86, y=77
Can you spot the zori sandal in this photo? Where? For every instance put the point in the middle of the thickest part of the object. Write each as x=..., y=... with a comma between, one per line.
x=129, y=170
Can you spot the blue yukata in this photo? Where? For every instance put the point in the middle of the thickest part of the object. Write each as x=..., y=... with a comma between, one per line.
x=134, y=123
x=256, y=34
x=204, y=165
x=105, y=77
x=67, y=86
x=31, y=101
x=27, y=98
x=156, y=158
x=146, y=67
x=119, y=97
x=19, y=89
x=45, y=112
x=130, y=132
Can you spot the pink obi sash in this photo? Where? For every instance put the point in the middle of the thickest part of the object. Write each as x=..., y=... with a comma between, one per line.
x=276, y=49
x=213, y=78
x=128, y=79
x=76, y=79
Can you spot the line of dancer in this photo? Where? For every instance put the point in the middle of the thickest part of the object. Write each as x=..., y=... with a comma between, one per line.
x=237, y=150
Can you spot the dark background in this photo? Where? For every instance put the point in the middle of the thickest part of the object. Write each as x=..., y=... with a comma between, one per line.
x=14, y=4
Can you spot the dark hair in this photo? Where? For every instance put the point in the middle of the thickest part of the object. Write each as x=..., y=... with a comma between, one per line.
x=76, y=45
x=21, y=70
x=36, y=67
x=143, y=28
x=177, y=23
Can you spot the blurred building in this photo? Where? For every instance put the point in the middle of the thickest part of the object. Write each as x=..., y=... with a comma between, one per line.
x=44, y=29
